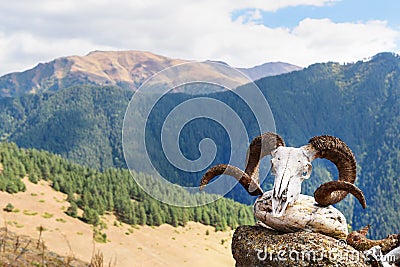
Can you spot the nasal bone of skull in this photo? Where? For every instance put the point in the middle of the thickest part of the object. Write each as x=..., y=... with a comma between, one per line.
x=280, y=191
x=279, y=206
x=286, y=191
x=280, y=201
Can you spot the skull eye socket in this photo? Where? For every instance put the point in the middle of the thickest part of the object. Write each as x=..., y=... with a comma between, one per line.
x=307, y=170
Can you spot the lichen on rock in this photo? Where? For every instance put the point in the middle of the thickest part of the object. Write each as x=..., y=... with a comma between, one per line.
x=260, y=246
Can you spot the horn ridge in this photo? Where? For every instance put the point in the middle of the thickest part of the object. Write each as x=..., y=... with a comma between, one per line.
x=335, y=150
x=331, y=192
x=251, y=186
x=261, y=146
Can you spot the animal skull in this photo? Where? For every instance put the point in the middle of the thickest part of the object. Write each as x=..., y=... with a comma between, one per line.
x=291, y=166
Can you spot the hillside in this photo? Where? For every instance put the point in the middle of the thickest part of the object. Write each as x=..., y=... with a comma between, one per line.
x=79, y=123
x=115, y=191
x=41, y=206
x=24, y=251
x=357, y=102
x=126, y=69
x=77, y=211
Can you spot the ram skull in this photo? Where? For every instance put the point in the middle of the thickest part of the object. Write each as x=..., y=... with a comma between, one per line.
x=291, y=166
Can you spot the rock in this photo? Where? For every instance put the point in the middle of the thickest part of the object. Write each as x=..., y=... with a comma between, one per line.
x=260, y=246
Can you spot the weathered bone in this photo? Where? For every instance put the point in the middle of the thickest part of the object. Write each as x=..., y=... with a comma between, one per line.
x=290, y=166
x=304, y=214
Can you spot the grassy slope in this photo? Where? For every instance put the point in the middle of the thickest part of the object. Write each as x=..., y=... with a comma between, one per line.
x=40, y=205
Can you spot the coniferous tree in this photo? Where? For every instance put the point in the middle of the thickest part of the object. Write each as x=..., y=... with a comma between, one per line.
x=72, y=210
x=142, y=216
x=90, y=216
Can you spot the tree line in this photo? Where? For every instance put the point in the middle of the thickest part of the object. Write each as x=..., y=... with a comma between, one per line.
x=113, y=190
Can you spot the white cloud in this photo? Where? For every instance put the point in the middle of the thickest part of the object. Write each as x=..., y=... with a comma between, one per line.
x=32, y=32
x=344, y=41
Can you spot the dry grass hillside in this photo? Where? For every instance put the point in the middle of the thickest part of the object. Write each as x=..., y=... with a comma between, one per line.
x=42, y=208
x=127, y=69
x=113, y=67
x=23, y=251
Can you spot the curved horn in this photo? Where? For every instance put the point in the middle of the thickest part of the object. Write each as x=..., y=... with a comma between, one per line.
x=261, y=146
x=244, y=179
x=335, y=150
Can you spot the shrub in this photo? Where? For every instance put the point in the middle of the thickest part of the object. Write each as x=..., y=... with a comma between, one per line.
x=9, y=207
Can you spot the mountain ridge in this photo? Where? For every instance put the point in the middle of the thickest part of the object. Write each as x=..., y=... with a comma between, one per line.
x=269, y=69
x=123, y=68
x=126, y=69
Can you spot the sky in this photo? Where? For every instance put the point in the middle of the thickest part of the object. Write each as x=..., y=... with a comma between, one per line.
x=243, y=33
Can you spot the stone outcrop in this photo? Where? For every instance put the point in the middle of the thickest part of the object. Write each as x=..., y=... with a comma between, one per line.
x=260, y=246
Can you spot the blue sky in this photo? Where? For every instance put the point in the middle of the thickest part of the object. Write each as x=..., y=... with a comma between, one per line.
x=341, y=11
x=242, y=33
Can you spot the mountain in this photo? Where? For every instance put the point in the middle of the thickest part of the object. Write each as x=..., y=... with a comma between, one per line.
x=269, y=69
x=126, y=69
x=123, y=68
x=357, y=102
x=81, y=123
